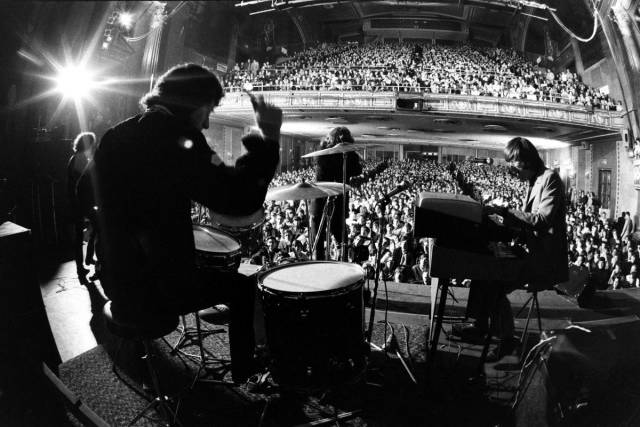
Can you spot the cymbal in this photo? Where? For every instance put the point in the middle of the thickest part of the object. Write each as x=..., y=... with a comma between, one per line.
x=306, y=191
x=342, y=147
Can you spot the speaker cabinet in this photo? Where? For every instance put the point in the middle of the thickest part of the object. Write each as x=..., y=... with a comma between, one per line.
x=25, y=333
x=590, y=376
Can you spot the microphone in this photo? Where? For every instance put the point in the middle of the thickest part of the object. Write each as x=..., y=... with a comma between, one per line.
x=399, y=189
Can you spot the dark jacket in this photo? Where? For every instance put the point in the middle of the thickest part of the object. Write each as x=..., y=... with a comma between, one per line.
x=146, y=171
x=543, y=222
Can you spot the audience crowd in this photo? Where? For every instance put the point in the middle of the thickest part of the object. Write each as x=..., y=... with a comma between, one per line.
x=446, y=69
x=603, y=249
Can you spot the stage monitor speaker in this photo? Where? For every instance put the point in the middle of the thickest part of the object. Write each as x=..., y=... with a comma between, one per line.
x=577, y=286
x=589, y=375
x=409, y=104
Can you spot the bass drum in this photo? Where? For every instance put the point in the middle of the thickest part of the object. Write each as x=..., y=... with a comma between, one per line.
x=314, y=321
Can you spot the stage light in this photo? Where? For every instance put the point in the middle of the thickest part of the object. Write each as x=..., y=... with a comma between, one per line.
x=125, y=19
x=74, y=82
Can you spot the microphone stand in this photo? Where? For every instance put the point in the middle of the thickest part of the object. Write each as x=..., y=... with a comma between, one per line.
x=376, y=281
x=376, y=276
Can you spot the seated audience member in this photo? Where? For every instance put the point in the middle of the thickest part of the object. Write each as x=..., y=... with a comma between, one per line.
x=269, y=255
x=616, y=278
x=420, y=271
x=600, y=275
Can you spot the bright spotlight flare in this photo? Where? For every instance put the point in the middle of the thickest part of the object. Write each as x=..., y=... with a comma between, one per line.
x=125, y=19
x=75, y=82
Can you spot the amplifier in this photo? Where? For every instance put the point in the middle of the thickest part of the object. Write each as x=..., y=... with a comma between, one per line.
x=24, y=328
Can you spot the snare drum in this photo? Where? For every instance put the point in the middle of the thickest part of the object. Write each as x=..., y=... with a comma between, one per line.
x=215, y=250
x=246, y=229
x=314, y=321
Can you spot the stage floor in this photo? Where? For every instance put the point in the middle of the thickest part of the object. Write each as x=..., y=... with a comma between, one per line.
x=86, y=349
x=69, y=307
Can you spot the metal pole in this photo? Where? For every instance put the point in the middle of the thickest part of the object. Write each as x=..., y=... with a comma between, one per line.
x=308, y=203
x=344, y=206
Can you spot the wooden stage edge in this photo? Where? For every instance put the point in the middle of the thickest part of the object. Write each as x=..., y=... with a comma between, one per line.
x=412, y=298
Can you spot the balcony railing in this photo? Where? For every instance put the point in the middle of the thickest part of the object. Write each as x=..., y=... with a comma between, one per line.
x=460, y=104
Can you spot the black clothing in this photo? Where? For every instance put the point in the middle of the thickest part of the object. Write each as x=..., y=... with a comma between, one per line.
x=76, y=166
x=329, y=168
x=146, y=171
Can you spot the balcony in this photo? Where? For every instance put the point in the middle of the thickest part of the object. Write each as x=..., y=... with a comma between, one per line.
x=455, y=104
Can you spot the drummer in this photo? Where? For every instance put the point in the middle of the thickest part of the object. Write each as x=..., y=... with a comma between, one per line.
x=146, y=169
x=329, y=168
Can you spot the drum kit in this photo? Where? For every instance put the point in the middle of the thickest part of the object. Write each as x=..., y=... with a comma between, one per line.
x=313, y=310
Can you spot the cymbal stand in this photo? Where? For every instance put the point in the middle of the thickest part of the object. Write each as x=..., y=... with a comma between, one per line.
x=309, y=244
x=325, y=221
x=343, y=246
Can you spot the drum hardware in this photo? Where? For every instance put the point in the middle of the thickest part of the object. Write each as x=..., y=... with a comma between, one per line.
x=309, y=352
x=246, y=229
x=295, y=299
x=209, y=363
x=213, y=250
x=307, y=191
x=325, y=221
x=343, y=148
x=189, y=336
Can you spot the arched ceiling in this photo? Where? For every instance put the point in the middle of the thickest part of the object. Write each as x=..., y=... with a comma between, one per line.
x=486, y=20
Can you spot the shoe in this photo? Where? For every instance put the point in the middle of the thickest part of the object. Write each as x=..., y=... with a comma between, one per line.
x=469, y=332
x=506, y=347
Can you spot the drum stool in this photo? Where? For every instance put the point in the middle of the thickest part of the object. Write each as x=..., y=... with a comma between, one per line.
x=145, y=333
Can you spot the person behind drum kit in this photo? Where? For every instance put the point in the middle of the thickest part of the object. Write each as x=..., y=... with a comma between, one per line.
x=148, y=168
x=329, y=168
x=542, y=228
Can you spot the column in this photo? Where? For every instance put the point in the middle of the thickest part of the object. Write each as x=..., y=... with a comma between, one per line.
x=577, y=56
